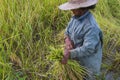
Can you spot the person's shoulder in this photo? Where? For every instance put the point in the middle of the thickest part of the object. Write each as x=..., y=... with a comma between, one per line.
x=92, y=27
x=92, y=22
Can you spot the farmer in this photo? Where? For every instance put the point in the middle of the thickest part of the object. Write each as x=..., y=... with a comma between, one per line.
x=83, y=37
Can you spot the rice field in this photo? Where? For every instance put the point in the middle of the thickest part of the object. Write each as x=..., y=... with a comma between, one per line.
x=29, y=27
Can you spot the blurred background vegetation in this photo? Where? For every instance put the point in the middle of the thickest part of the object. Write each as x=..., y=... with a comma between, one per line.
x=29, y=27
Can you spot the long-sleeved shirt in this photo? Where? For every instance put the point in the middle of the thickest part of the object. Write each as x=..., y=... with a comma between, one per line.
x=87, y=38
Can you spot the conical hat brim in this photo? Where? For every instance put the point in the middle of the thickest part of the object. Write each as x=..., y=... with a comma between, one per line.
x=69, y=6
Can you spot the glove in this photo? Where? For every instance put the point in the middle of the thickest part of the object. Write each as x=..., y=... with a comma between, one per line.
x=65, y=57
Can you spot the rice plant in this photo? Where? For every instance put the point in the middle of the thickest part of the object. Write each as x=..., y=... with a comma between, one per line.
x=71, y=71
x=29, y=27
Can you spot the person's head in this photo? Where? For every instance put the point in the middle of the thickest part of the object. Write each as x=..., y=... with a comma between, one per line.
x=78, y=7
x=81, y=11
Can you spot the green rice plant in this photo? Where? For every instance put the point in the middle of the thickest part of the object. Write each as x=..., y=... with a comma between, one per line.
x=28, y=27
x=57, y=71
x=114, y=6
x=116, y=64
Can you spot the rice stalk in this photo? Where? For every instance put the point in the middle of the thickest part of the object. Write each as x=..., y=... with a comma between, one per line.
x=71, y=71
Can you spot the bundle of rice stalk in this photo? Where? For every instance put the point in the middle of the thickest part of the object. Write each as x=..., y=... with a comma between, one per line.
x=57, y=71
x=116, y=63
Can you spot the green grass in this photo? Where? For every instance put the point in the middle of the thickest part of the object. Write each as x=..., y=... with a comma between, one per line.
x=29, y=27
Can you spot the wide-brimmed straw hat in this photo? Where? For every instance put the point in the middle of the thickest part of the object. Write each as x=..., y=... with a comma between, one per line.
x=74, y=4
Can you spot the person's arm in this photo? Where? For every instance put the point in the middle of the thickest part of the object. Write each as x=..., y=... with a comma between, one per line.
x=68, y=43
x=68, y=46
x=91, y=40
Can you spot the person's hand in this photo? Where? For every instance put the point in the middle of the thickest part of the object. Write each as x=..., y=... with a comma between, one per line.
x=65, y=57
x=68, y=43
